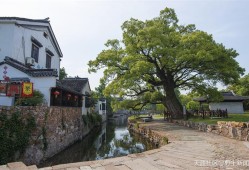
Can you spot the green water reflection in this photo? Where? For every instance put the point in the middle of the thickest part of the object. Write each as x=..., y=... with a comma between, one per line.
x=111, y=140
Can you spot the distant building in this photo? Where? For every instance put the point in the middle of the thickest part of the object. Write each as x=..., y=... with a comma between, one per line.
x=232, y=102
x=100, y=108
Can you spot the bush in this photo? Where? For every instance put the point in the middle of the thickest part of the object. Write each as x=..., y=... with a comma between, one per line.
x=93, y=119
x=192, y=105
x=35, y=100
x=14, y=135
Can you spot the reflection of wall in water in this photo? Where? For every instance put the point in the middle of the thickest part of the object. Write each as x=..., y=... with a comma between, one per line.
x=101, y=138
x=100, y=108
x=121, y=120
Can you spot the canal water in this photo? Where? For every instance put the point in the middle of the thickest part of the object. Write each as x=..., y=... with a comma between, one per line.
x=113, y=139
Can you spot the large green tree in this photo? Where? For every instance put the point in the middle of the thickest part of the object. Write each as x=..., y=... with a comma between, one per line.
x=241, y=88
x=63, y=73
x=158, y=57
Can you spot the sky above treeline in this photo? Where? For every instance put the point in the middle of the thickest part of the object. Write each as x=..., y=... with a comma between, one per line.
x=82, y=27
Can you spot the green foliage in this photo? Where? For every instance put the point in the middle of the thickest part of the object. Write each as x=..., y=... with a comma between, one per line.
x=241, y=88
x=185, y=99
x=85, y=119
x=63, y=73
x=193, y=105
x=160, y=107
x=231, y=117
x=14, y=135
x=37, y=99
x=157, y=57
x=92, y=119
x=137, y=125
x=44, y=139
x=165, y=140
x=99, y=93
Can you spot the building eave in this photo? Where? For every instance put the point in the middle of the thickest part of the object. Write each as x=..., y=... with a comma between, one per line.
x=25, y=22
x=29, y=71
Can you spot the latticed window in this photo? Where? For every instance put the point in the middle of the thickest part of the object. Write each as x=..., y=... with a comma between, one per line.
x=35, y=52
x=48, y=61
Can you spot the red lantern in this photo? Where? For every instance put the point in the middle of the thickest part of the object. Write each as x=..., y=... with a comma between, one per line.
x=68, y=96
x=56, y=93
x=75, y=98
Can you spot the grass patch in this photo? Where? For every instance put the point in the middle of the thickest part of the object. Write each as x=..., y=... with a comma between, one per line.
x=158, y=116
x=231, y=117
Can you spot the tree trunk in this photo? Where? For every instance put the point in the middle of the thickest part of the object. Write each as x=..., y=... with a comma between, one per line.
x=173, y=104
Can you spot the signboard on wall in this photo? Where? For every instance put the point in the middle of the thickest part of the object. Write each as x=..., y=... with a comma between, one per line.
x=13, y=89
x=27, y=89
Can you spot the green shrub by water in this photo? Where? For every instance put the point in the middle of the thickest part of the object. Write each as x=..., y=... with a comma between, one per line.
x=92, y=119
x=14, y=135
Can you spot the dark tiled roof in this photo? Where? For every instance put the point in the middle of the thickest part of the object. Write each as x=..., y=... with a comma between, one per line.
x=25, y=19
x=30, y=71
x=75, y=83
x=62, y=86
x=227, y=96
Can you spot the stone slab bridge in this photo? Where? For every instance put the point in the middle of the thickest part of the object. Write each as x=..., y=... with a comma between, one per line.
x=188, y=149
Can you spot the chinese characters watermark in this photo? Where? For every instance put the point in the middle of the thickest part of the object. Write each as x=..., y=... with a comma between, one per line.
x=224, y=163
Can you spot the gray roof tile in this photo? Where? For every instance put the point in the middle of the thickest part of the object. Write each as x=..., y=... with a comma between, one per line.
x=30, y=71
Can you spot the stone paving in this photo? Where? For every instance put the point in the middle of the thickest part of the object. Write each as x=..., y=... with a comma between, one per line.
x=188, y=150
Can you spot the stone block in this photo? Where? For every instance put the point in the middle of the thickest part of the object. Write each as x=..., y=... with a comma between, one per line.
x=17, y=166
x=32, y=167
x=3, y=167
x=47, y=168
x=85, y=168
x=224, y=131
x=221, y=123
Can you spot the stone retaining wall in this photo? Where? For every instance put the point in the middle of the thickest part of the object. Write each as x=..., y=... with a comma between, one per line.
x=151, y=135
x=56, y=129
x=235, y=130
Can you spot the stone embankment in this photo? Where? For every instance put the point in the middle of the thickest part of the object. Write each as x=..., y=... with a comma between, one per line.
x=187, y=149
x=56, y=129
x=149, y=134
x=234, y=130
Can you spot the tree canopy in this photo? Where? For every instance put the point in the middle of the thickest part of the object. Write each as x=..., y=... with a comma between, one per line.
x=63, y=73
x=241, y=88
x=158, y=57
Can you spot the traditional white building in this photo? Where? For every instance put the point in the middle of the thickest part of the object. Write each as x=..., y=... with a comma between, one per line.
x=100, y=108
x=231, y=102
x=82, y=87
x=29, y=51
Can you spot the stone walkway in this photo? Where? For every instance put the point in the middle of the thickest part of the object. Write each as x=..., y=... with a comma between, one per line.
x=188, y=149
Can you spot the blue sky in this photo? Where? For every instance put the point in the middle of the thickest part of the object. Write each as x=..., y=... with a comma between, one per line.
x=83, y=26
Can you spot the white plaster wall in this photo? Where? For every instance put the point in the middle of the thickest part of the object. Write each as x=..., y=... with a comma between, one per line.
x=11, y=44
x=11, y=72
x=84, y=90
x=37, y=34
x=6, y=101
x=44, y=85
x=232, y=107
x=6, y=40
